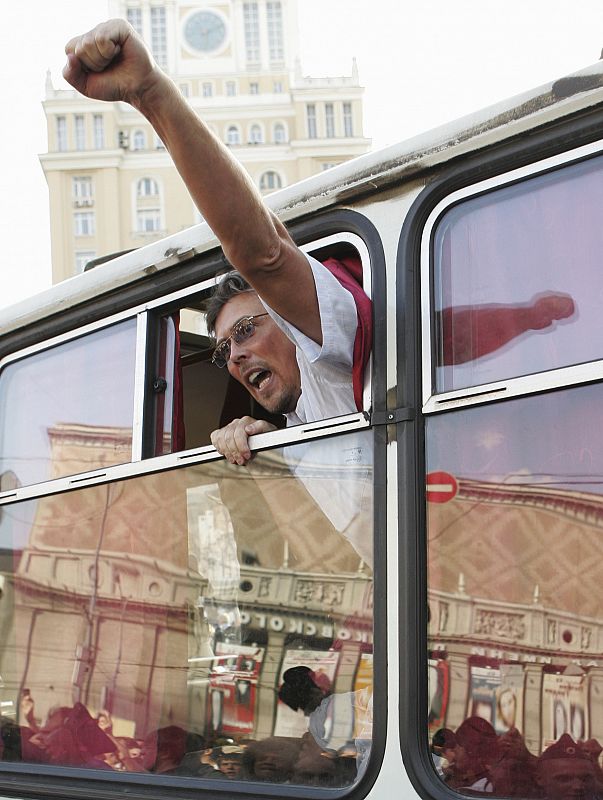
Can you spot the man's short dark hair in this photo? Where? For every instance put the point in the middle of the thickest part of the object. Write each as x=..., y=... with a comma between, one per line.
x=232, y=284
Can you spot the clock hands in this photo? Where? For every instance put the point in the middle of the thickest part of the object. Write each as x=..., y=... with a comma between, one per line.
x=207, y=30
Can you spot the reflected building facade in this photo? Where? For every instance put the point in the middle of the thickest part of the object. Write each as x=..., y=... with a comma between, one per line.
x=112, y=185
x=165, y=602
x=515, y=632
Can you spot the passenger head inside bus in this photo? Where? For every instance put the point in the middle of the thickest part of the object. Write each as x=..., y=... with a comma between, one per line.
x=256, y=352
x=282, y=368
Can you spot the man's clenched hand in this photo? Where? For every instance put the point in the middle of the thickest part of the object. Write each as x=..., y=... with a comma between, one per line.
x=232, y=440
x=111, y=62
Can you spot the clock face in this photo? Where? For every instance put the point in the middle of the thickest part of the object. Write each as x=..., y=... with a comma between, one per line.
x=205, y=31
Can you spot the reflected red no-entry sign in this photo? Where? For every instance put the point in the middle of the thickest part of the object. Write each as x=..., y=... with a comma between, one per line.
x=440, y=487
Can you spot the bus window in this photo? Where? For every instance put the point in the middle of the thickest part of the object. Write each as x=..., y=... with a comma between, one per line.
x=517, y=279
x=514, y=520
x=187, y=623
x=54, y=403
x=197, y=398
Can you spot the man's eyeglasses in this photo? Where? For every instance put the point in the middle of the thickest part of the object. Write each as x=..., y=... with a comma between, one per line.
x=241, y=331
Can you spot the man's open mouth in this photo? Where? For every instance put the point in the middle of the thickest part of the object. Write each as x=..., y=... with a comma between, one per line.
x=258, y=378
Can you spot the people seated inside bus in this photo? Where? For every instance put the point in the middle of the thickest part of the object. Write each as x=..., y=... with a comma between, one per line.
x=566, y=769
x=475, y=760
x=303, y=689
x=73, y=737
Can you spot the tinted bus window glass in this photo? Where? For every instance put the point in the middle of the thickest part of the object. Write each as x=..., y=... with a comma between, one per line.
x=515, y=555
x=518, y=281
x=173, y=611
x=69, y=409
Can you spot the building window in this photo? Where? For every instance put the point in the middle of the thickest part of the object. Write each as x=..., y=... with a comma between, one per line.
x=148, y=220
x=251, y=24
x=159, y=145
x=233, y=135
x=279, y=133
x=348, y=124
x=82, y=257
x=270, y=180
x=82, y=190
x=231, y=88
x=99, y=131
x=255, y=135
x=274, y=12
x=208, y=89
x=147, y=187
x=311, y=121
x=159, y=35
x=254, y=87
x=139, y=140
x=327, y=165
x=61, y=134
x=330, y=120
x=134, y=17
x=184, y=89
x=84, y=223
x=80, y=132
x=277, y=87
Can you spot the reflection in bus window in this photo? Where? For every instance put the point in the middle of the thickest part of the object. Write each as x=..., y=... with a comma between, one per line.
x=151, y=624
x=54, y=402
x=515, y=514
x=517, y=279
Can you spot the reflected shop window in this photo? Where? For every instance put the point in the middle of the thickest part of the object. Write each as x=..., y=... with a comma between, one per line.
x=515, y=555
x=187, y=623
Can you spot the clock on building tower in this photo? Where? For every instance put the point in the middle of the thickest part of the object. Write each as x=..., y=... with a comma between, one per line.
x=205, y=31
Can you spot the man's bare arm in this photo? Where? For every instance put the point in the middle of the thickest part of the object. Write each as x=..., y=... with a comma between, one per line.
x=111, y=62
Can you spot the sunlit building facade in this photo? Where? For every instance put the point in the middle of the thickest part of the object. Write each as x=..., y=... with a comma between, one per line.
x=111, y=182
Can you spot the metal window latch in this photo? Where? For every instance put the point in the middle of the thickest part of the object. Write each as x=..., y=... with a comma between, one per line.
x=392, y=416
x=159, y=385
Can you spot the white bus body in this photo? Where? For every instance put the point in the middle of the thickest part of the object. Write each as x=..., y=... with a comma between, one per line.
x=418, y=215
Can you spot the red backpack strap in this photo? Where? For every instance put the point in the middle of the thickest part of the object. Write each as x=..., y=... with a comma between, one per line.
x=348, y=272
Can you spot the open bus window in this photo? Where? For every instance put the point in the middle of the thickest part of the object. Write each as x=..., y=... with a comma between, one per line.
x=69, y=408
x=188, y=623
x=199, y=397
x=518, y=280
x=515, y=554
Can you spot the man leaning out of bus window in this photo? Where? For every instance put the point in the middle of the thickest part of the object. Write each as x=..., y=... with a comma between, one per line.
x=285, y=327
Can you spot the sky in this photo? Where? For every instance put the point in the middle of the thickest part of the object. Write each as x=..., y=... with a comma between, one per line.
x=423, y=64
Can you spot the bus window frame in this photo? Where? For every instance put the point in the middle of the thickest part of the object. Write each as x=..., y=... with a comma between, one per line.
x=552, y=141
x=329, y=228
x=145, y=313
x=433, y=400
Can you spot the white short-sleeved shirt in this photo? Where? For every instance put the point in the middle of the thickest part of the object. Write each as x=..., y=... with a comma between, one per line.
x=336, y=472
x=325, y=372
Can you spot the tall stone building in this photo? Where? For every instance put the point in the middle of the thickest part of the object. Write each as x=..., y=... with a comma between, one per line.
x=111, y=182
